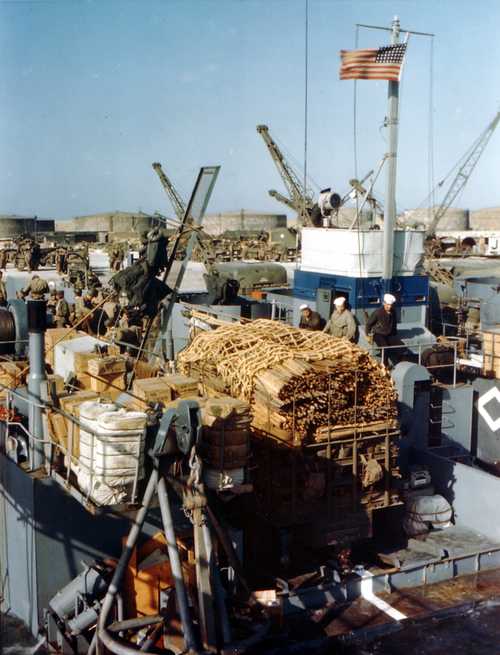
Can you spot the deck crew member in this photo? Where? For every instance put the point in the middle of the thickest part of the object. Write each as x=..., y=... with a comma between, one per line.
x=342, y=323
x=382, y=327
x=36, y=289
x=62, y=310
x=3, y=291
x=309, y=320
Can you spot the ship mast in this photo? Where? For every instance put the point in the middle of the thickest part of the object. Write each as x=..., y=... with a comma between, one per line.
x=391, y=156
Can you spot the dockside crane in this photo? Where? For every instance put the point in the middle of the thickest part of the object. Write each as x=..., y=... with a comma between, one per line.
x=205, y=246
x=177, y=203
x=300, y=199
x=463, y=174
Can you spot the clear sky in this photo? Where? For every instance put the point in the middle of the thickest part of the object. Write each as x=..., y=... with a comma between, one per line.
x=92, y=92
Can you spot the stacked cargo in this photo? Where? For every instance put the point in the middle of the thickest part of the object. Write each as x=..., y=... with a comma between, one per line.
x=298, y=382
x=324, y=428
x=225, y=445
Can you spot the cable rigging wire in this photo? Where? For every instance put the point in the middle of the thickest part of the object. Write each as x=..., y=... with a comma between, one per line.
x=306, y=94
x=430, y=154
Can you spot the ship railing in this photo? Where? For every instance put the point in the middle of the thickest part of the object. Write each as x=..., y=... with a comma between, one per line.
x=400, y=352
x=64, y=475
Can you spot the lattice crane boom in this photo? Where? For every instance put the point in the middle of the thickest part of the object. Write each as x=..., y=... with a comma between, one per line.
x=300, y=199
x=206, y=247
x=463, y=174
x=177, y=203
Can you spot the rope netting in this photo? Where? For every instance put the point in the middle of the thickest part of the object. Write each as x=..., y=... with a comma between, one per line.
x=239, y=352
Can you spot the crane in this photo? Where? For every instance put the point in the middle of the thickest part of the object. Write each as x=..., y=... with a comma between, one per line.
x=177, y=202
x=300, y=199
x=463, y=174
x=206, y=250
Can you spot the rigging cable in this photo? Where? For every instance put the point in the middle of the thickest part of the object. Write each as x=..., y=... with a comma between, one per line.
x=306, y=93
x=431, y=183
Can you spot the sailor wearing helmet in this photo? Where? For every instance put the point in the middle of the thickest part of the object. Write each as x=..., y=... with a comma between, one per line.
x=342, y=323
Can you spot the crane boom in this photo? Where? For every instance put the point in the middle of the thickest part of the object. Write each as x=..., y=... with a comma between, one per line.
x=300, y=198
x=281, y=198
x=206, y=249
x=177, y=203
x=463, y=174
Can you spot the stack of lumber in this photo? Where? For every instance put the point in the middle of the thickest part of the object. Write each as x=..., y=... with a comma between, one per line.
x=491, y=353
x=295, y=380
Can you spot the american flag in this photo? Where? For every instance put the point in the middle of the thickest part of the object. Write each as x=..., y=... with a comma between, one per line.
x=373, y=63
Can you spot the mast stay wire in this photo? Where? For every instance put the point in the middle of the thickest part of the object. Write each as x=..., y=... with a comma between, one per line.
x=430, y=153
x=306, y=94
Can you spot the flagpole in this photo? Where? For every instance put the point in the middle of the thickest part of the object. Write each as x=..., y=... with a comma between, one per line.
x=391, y=156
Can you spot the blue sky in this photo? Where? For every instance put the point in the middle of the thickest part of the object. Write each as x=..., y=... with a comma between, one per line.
x=94, y=91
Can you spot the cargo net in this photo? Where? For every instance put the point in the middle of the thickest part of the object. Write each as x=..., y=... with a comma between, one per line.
x=300, y=384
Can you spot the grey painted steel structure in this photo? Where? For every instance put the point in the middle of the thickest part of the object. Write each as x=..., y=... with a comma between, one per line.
x=37, y=313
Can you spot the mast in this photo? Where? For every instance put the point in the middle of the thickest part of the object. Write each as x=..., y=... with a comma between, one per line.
x=390, y=193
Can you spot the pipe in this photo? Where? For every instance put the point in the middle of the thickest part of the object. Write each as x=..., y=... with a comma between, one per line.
x=103, y=635
x=152, y=639
x=37, y=324
x=136, y=623
x=176, y=567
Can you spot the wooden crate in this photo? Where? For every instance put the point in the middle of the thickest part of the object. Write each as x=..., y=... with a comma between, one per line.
x=12, y=374
x=150, y=390
x=105, y=366
x=110, y=385
x=56, y=383
x=81, y=369
x=491, y=353
x=53, y=336
x=58, y=429
x=71, y=405
x=181, y=385
x=145, y=370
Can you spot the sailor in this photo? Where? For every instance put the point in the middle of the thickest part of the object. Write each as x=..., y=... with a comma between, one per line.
x=342, y=323
x=3, y=291
x=381, y=328
x=309, y=320
x=36, y=289
x=62, y=310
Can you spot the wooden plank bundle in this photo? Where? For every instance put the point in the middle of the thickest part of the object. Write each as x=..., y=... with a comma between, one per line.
x=491, y=353
x=295, y=380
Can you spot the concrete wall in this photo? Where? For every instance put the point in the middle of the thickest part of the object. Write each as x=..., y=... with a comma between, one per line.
x=243, y=220
x=14, y=226
x=120, y=225
x=454, y=219
x=485, y=219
